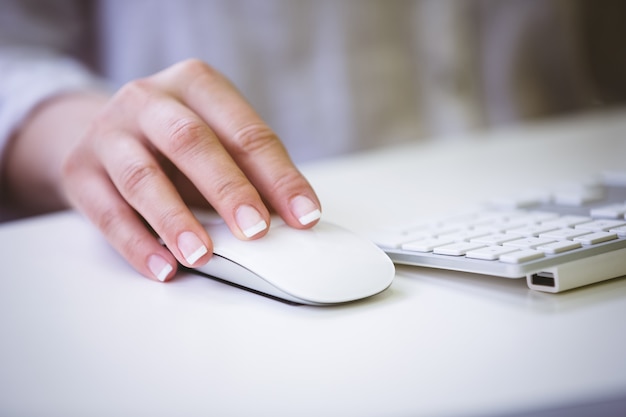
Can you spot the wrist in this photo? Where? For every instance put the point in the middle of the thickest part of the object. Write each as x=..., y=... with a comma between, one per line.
x=36, y=151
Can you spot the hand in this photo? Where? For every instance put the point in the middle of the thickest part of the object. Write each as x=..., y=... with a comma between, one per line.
x=181, y=137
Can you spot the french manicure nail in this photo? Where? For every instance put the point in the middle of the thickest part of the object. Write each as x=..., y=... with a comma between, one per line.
x=191, y=247
x=305, y=210
x=250, y=221
x=159, y=267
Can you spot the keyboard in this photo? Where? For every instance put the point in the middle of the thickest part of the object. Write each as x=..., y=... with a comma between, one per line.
x=558, y=240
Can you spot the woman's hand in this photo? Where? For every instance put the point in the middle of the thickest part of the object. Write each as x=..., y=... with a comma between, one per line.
x=181, y=137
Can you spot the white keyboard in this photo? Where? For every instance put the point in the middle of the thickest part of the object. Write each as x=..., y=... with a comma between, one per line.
x=558, y=240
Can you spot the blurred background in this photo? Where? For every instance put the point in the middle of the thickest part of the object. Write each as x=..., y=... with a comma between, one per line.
x=334, y=77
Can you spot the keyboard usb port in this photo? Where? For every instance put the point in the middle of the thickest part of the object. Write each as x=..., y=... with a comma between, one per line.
x=544, y=279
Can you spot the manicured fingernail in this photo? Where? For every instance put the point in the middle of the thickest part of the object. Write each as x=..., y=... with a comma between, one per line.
x=191, y=247
x=305, y=210
x=250, y=221
x=159, y=267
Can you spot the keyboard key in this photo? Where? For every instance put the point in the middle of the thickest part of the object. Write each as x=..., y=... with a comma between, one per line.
x=457, y=249
x=528, y=242
x=502, y=215
x=613, y=211
x=621, y=231
x=463, y=236
x=530, y=231
x=425, y=245
x=494, y=239
x=579, y=197
x=597, y=237
x=565, y=234
x=442, y=229
x=393, y=240
x=601, y=225
x=542, y=216
x=521, y=256
x=499, y=226
x=490, y=253
x=567, y=221
x=558, y=247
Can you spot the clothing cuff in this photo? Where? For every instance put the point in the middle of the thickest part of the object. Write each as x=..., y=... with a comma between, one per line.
x=28, y=78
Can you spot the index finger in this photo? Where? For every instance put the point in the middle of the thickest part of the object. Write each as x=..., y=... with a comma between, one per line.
x=254, y=147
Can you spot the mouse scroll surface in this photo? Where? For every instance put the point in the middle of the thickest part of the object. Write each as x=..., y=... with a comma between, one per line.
x=323, y=265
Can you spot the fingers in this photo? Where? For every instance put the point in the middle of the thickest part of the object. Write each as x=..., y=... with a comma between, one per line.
x=190, y=144
x=251, y=144
x=144, y=186
x=92, y=193
x=191, y=119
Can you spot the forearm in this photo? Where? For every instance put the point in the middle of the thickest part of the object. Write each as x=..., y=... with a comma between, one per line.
x=34, y=157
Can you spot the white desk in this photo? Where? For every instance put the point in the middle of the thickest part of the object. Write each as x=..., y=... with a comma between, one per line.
x=83, y=334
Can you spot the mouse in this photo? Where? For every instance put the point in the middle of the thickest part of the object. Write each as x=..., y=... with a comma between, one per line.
x=324, y=265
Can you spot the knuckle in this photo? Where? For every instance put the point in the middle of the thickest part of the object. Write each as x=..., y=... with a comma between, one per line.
x=289, y=180
x=230, y=188
x=170, y=220
x=108, y=221
x=196, y=68
x=137, y=175
x=185, y=136
x=254, y=139
x=132, y=246
x=70, y=167
x=198, y=72
x=134, y=95
x=111, y=223
x=135, y=91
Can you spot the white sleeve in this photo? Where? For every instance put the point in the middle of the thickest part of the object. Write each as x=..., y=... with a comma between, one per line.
x=29, y=76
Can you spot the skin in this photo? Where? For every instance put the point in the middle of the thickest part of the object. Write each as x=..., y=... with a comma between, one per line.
x=133, y=163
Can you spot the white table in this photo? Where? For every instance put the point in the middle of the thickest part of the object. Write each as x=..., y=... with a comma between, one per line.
x=83, y=334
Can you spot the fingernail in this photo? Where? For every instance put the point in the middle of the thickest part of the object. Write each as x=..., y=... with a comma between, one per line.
x=191, y=247
x=159, y=267
x=305, y=210
x=250, y=221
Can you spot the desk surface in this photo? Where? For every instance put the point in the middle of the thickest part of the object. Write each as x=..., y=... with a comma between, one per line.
x=83, y=334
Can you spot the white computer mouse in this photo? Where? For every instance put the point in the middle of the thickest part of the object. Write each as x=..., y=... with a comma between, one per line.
x=320, y=266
